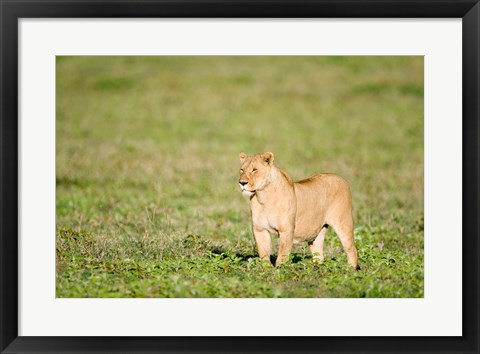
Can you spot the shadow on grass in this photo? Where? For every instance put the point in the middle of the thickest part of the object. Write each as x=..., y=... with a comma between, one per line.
x=294, y=258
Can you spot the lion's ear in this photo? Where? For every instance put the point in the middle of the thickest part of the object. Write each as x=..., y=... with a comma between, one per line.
x=243, y=156
x=268, y=158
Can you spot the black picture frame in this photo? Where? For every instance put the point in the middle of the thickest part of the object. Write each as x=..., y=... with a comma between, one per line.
x=12, y=11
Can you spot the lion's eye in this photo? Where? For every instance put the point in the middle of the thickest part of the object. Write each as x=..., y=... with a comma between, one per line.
x=241, y=170
x=254, y=170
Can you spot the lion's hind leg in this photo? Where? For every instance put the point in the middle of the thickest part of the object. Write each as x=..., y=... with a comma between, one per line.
x=344, y=230
x=316, y=246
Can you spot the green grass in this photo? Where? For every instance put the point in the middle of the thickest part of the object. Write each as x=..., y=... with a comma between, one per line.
x=147, y=168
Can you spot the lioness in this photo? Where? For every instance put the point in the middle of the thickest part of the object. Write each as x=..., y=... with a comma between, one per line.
x=296, y=212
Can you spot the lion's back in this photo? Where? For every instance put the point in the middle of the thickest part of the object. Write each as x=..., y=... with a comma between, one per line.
x=322, y=189
x=324, y=180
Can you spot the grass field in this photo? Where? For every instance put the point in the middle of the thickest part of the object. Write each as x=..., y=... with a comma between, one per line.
x=147, y=168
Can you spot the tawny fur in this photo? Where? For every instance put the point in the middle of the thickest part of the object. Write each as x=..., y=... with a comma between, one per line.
x=296, y=212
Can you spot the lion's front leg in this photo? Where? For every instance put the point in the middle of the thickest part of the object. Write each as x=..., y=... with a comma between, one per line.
x=263, y=241
x=286, y=242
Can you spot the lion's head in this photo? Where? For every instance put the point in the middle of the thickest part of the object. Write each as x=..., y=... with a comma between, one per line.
x=254, y=172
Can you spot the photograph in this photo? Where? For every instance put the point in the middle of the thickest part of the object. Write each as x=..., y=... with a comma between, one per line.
x=239, y=176
x=174, y=172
